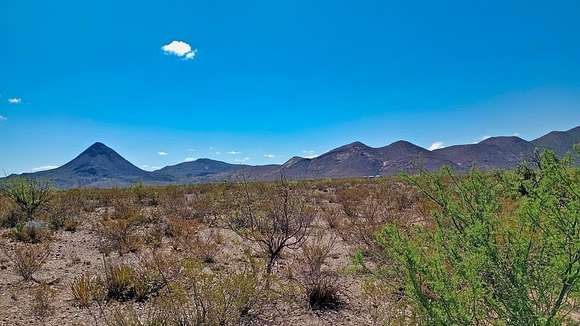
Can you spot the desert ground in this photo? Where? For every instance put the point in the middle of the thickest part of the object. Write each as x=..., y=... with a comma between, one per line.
x=253, y=253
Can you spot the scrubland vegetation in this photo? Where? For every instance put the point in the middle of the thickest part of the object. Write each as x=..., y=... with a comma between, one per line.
x=493, y=248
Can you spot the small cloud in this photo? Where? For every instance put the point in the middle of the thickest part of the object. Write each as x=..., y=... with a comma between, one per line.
x=149, y=167
x=2, y=118
x=309, y=153
x=162, y=153
x=218, y=153
x=44, y=168
x=15, y=100
x=188, y=159
x=245, y=159
x=269, y=155
x=233, y=153
x=436, y=145
x=180, y=49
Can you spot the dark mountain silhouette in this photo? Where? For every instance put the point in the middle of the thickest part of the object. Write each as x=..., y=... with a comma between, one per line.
x=196, y=171
x=97, y=166
x=491, y=153
x=560, y=142
x=100, y=166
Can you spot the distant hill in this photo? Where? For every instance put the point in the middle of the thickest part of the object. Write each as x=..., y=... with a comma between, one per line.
x=199, y=170
x=97, y=166
x=560, y=142
x=100, y=166
x=491, y=153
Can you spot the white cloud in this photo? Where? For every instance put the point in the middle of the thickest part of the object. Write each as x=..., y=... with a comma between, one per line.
x=234, y=153
x=245, y=159
x=516, y=134
x=162, y=153
x=43, y=168
x=15, y=100
x=180, y=49
x=2, y=118
x=150, y=168
x=188, y=159
x=269, y=155
x=309, y=153
x=218, y=153
x=436, y=145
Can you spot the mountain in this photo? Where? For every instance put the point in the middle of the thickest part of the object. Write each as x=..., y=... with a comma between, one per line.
x=97, y=166
x=199, y=170
x=559, y=141
x=100, y=166
x=358, y=159
x=491, y=153
x=403, y=156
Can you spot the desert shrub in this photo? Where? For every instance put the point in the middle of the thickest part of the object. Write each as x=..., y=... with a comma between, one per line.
x=320, y=286
x=29, y=259
x=316, y=250
x=197, y=296
x=332, y=215
x=323, y=291
x=43, y=295
x=365, y=211
x=179, y=228
x=86, y=289
x=30, y=231
x=201, y=246
x=124, y=282
x=276, y=217
x=153, y=238
x=10, y=215
x=117, y=229
x=29, y=195
x=210, y=298
x=486, y=259
x=145, y=195
x=173, y=204
x=119, y=282
x=64, y=211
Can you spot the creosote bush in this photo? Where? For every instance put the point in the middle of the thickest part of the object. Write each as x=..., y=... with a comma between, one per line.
x=118, y=228
x=29, y=195
x=320, y=286
x=190, y=295
x=42, y=301
x=276, y=217
x=502, y=247
x=29, y=259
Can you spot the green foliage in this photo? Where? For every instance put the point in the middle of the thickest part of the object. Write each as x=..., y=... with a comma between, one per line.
x=29, y=195
x=501, y=249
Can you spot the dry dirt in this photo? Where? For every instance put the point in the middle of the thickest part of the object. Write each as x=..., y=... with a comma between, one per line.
x=74, y=253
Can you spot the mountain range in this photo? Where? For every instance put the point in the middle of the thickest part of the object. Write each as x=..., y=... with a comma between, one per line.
x=100, y=166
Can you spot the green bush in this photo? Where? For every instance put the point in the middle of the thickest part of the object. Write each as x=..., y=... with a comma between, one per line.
x=30, y=195
x=502, y=248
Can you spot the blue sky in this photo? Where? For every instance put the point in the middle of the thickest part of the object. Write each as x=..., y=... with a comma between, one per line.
x=266, y=80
